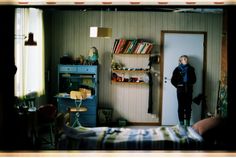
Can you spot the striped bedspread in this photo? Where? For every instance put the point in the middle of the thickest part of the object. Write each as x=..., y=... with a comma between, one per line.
x=163, y=138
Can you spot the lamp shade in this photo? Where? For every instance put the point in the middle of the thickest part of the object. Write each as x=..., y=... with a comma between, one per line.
x=30, y=41
x=100, y=32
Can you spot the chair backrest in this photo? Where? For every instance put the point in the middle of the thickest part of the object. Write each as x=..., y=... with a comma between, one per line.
x=47, y=113
x=25, y=104
x=30, y=102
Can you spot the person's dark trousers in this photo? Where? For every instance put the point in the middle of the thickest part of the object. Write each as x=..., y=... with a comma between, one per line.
x=184, y=96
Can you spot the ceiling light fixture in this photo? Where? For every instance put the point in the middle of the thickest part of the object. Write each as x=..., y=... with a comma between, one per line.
x=101, y=31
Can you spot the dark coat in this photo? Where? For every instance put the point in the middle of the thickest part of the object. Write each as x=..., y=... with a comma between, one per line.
x=177, y=78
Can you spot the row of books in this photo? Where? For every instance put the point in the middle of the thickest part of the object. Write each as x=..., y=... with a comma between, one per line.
x=135, y=46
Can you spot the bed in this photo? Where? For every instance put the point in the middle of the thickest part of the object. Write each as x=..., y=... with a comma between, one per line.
x=110, y=138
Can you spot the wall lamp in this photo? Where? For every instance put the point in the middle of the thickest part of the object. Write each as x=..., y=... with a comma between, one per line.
x=30, y=41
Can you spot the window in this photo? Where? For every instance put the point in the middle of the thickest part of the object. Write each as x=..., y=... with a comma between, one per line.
x=29, y=59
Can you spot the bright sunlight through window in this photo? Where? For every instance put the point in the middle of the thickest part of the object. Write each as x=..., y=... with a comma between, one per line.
x=29, y=59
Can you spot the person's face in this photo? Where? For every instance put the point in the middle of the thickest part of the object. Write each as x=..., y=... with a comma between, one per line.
x=184, y=60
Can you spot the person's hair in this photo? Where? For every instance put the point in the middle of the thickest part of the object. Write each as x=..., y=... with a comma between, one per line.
x=185, y=56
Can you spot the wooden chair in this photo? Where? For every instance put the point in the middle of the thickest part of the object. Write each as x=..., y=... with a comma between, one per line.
x=78, y=97
x=27, y=118
x=74, y=122
x=46, y=115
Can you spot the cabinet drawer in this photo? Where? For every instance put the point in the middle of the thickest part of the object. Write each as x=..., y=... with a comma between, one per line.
x=82, y=69
x=87, y=69
x=67, y=69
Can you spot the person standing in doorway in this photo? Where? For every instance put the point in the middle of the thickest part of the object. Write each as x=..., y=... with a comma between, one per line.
x=182, y=79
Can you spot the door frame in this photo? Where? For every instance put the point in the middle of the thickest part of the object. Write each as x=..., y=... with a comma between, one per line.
x=162, y=64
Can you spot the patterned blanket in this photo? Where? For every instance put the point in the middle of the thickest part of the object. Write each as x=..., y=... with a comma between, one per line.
x=158, y=138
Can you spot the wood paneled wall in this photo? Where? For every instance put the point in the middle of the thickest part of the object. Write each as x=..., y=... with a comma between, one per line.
x=224, y=55
x=70, y=35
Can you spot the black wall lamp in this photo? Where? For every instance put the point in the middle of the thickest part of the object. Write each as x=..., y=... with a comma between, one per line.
x=30, y=41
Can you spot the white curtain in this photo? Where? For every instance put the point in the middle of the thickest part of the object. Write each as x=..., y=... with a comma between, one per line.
x=29, y=60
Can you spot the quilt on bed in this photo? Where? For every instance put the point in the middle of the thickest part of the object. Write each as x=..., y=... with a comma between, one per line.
x=105, y=138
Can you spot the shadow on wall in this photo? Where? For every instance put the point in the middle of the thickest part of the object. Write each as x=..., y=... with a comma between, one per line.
x=197, y=109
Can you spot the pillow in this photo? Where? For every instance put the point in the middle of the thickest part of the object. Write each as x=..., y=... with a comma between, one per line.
x=207, y=124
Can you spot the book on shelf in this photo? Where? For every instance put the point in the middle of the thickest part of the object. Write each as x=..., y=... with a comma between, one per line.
x=127, y=46
x=137, y=43
x=118, y=46
x=122, y=46
x=149, y=49
x=145, y=48
x=137, y=47
x=115, y=45
x=131, y=46
x=142, y=45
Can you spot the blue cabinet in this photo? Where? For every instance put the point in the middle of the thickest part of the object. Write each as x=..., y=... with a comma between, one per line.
x=71, y=78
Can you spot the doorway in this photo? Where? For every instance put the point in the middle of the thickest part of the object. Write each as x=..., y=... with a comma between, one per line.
x=174, y=44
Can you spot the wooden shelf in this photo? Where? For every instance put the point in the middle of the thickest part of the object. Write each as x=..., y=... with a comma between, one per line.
x=130, y=71
x=131, y=83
